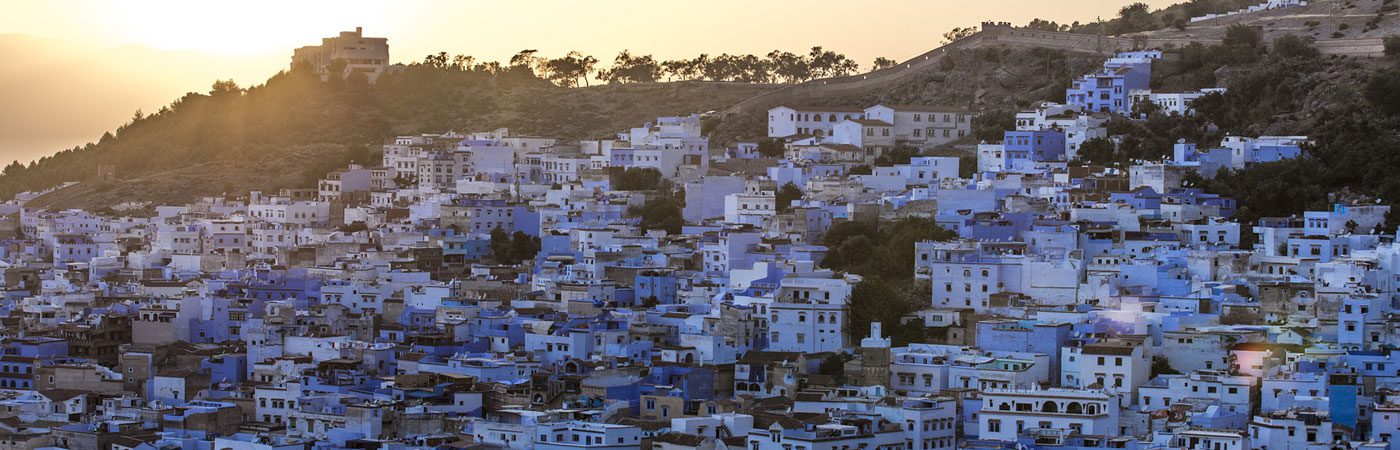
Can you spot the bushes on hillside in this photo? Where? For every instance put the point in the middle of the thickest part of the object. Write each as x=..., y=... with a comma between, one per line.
x=635, y=179
x=883, y=249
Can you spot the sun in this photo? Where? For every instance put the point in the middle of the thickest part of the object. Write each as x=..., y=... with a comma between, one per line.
x=256, y=26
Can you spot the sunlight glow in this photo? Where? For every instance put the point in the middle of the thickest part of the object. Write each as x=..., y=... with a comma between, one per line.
x=240, y=27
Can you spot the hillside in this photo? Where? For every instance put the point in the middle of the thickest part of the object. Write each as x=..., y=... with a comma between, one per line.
x=1320, y=19
x=294, y=128
x=982, y=79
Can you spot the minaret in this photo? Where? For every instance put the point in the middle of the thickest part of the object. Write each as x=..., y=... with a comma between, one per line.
x=875, y=358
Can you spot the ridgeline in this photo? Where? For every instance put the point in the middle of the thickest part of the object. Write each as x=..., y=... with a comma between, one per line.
x=294, y=128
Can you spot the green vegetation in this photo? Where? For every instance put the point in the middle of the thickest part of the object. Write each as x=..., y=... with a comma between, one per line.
x=786, y=195
x=883, y=249
x=890, y=303
x=1392, y=46
x=771, y=148
x=1161, y=366
x=636, y=179
x=835, y=366
x=294, y=128
x=661, y=213
x=1098, y=151
x=1348, y=108
x=991, y=126
x=512, y=248
x=1138, y=17
x=571, y=69
x=1292, y=46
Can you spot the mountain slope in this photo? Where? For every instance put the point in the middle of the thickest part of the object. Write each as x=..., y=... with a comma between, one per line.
x=294, y=128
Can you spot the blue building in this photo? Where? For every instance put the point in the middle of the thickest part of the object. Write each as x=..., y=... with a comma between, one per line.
x=1109, y=89
x=1036, y=145
x=1017, y=336
x=658, y=284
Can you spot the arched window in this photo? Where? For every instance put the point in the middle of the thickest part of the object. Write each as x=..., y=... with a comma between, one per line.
x=1050, y=407
x=1074, y=408
x=1004, y=407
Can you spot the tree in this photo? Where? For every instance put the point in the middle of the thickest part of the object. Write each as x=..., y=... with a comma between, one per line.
x=1097, y=151
x=632, y=69
x=786, y=195
x=883, y=63
x=826, y=63
x=1383, y=91
x=225, y=87
x=1292, y=46
x=523, y=247
x=789, y=67
x=676, y=69
x=582, y=65
x=1160, y=366
x=526, y=64
x=887, y=302
x=1242, y=35
x=512, y=248
x=834, y=366
x=13, y=169
x=958, y=33
x=523, y=58
x=500, y=244
x=463, y=62
x=635, y=179
x=885, y=249
x=771, y=148
x=354, y=227
x=899, y=155
x=1134, y=18
x=437, y=61
x=1392, y=46
x=569, y=69
x=662, y=213
x=991, y=126
x=1046, y=25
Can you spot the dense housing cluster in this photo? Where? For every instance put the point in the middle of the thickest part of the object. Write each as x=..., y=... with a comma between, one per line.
x=494, y=290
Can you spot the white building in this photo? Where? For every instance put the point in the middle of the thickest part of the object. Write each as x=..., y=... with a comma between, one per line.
x=1291, y=430
x=350, y=52
x=1006, y=413
x=922, y=126
x=808, y=314
x=1229, y=391
x=1118, y=366
x=785, y=121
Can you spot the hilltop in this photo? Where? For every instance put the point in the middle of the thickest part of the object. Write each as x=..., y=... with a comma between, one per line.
x=231, y=139
x=294, y=128
x=1319, y=19
x=982, y=79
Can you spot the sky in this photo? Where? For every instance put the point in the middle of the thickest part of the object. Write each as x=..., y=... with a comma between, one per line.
x=76, y=68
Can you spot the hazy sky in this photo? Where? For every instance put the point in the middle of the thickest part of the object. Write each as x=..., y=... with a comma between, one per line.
x=184, y=44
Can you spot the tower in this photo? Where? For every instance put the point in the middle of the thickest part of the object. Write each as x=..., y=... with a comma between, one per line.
x=875, y=358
